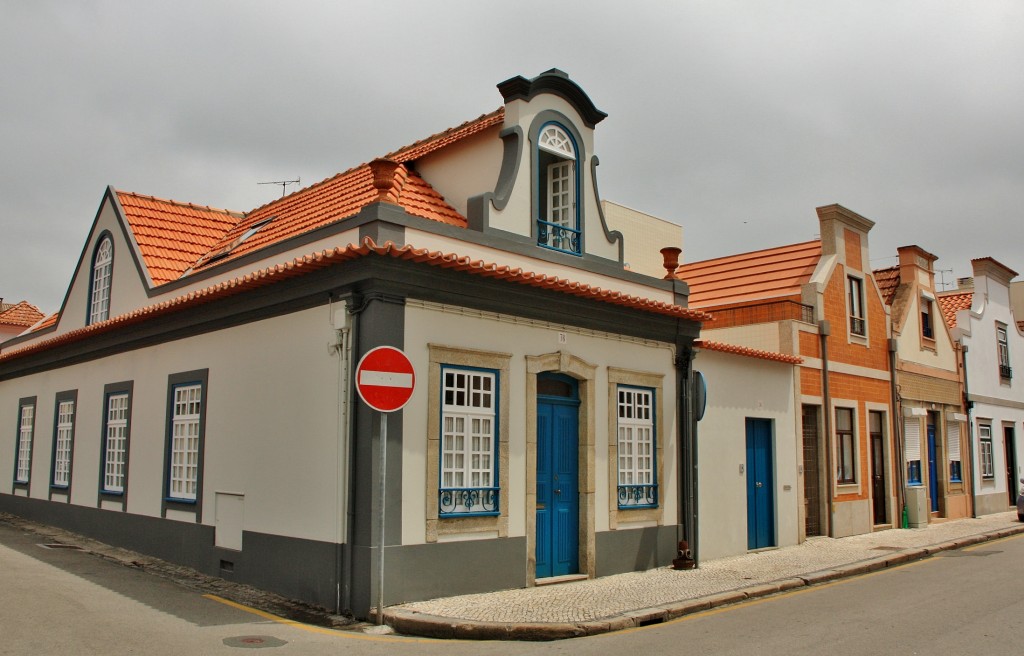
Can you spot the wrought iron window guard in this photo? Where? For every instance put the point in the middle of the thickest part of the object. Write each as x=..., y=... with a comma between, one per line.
x=467, y=501
x=638, y=496
x=857, y=326
x=1005, y=372
x=558, y=237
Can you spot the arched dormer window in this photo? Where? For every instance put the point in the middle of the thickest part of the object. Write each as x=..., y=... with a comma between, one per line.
x=102, y=270
x=558, y=225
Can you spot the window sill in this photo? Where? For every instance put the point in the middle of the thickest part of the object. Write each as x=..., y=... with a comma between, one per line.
x=181, y=502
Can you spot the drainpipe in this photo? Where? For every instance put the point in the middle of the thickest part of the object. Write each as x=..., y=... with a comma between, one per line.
x=897, y=428
x=970, y=436
x=353, y=310
x=824, y=330
x=688, y=450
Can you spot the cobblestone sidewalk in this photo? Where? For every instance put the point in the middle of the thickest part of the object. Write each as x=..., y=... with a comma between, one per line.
x=624, y=600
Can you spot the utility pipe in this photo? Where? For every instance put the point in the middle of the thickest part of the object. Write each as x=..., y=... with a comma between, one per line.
x=824, y=330
x=897, y=429
x=970, y=436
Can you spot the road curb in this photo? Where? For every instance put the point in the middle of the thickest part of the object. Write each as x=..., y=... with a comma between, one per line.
x=433, y=626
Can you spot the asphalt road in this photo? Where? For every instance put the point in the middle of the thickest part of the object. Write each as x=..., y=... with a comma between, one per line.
x=58, y=601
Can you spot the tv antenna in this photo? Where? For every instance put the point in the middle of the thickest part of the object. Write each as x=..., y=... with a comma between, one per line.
x=284, y=184
x=942, y=277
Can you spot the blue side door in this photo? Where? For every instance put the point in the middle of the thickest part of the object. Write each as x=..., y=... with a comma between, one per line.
x=760, y=485
x=557, y=486
x=933, y=474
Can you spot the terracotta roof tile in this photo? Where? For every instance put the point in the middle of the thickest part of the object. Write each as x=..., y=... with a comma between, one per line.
x=748, y=352
x=21, y=314
x=441, y=139
x=887, y=280
x=172, y=235
x=770, y=273
x=333, y=257
x=953, y=303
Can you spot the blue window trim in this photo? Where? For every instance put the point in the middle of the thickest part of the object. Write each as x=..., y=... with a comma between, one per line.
x=115, y=389
x=450, y=494
x=105, y=235
x=62, y=397
x=22, y=403
x=199, y=377
x=652, y=488
x=541, y=224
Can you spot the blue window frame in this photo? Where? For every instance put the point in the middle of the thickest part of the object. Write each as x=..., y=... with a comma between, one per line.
x=468, y=467
x=637, y=447
x=24, y=441
x=558, y=189
x=117, y=419
x=100, y=280
x=63, y=439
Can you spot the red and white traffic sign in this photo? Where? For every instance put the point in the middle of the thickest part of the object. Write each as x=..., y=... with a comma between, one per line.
x=385, y=379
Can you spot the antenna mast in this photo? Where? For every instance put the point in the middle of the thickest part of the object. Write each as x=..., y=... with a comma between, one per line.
x=284, y=184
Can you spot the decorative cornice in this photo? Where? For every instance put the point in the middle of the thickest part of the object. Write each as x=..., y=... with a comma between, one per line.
x=556, y=82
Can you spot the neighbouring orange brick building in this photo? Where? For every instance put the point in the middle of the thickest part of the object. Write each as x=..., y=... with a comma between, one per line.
x=818, y=300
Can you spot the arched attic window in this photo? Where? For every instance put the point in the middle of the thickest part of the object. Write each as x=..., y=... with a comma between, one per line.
x=102, y=270
x=558, y=225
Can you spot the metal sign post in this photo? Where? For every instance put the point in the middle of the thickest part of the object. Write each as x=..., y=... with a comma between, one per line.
x=385, y=380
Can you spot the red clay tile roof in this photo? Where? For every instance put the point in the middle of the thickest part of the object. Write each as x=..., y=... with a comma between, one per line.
x=760, y=275
x=322, y=259
x=749, y=352
x=327, y=202
x=172, y=235
x=888, y=280
x=441, y=139
x=953, y=303
x=176, y=237
x=21, y=314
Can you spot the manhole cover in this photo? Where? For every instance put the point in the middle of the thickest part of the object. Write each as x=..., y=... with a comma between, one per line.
x=58, y=545
x=254, y=642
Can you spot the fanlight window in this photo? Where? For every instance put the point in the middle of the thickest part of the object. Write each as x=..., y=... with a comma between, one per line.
x=102, y=268
x=554, y=140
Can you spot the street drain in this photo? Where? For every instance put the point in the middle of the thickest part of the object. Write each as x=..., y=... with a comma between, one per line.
x=254, y=642
x=58, y=545
x=964, y=554
x=887, y=548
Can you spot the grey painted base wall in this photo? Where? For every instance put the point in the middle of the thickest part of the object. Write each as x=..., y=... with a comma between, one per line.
x=633, y=550
x=987, y=504
x=292, y=567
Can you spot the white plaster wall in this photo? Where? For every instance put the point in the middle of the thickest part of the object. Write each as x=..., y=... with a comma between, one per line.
x=741, y=387
x=429, y=324
x=271, y=423
x=643, y=237
x=909, y=341
x=464, y=169
x=127, y=290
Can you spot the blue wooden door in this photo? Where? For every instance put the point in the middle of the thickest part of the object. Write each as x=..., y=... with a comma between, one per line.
x=557, y=487
x=760, y=485
x=933, y=474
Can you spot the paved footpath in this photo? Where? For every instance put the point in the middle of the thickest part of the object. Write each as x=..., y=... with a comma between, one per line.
x=626, y=600
x=601, y=605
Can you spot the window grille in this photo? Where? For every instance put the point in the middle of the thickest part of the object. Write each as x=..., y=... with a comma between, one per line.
x=636, y=448
x=102, y=270
x=116, y=443
x=184, y=479
x=468, y=443
x=62, y=444
x=25, y=429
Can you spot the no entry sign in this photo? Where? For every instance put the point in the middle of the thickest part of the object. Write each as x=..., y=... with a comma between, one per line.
x=385, y=379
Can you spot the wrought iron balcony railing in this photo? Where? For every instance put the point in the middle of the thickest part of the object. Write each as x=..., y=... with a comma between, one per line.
x=558, y=237
x=638, y=496
x=467, y=501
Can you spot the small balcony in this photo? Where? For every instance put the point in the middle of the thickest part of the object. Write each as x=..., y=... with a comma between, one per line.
x=1005, y=372
x=857, y=326
x=558, y=237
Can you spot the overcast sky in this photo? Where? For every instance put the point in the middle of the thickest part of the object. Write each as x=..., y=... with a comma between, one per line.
x=733, y=119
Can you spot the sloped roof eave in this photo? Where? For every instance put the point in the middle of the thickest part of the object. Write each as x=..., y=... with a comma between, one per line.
x=321, y=259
